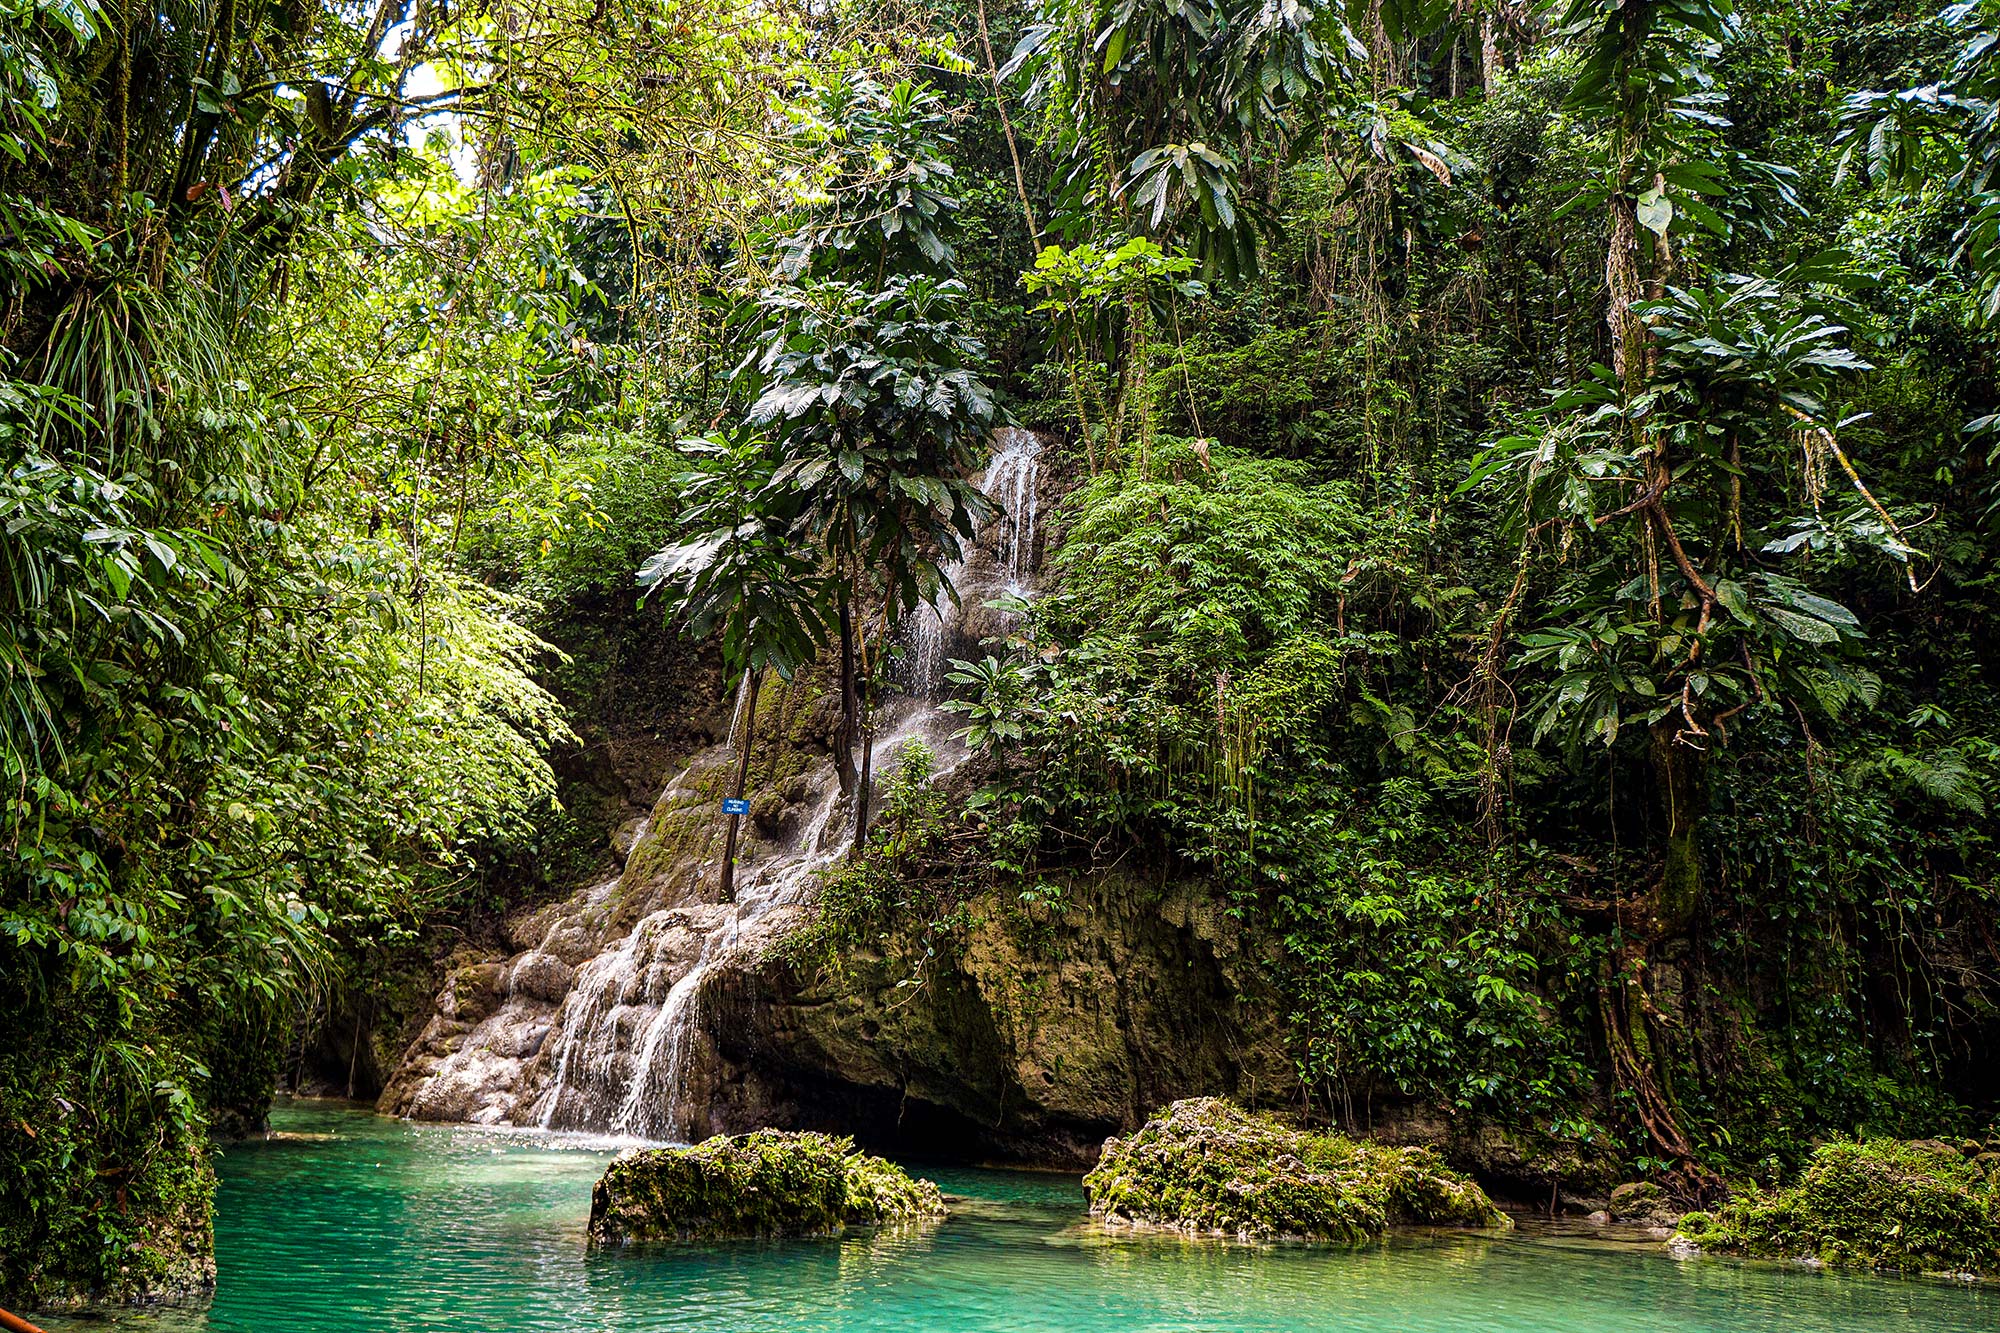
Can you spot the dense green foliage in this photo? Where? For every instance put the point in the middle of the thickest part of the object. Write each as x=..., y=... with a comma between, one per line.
x=1590, y=697
x=1916, y=1207
x=1528, y=553
x=274, y=372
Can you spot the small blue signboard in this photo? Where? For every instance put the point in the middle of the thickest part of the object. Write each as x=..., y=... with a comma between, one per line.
x=735, y=805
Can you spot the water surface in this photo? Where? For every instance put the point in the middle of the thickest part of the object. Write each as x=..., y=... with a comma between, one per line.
x=347, y=1223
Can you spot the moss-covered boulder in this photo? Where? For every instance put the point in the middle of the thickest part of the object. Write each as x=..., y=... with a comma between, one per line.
x=766, y=1183
x=1206, y=1166
x=1642, y=1203
x=1916, y=1207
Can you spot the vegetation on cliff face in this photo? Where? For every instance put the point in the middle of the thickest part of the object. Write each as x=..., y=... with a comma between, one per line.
x=765, y=1183
x=1913, y=1206
x=1599, y=447
x=1531, y=556
x=1206, y=1166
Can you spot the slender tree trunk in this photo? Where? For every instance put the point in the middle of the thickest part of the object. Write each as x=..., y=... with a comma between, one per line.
x=742, y=776
x=353, y=1050
x=1007, y=128
x=1076, y=363
x=1678, y=771
x=867, y=776
x=850, y=702
x=867, y=750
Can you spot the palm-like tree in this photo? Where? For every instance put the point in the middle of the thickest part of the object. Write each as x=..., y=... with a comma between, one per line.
x=868, y=375
x=741, y=573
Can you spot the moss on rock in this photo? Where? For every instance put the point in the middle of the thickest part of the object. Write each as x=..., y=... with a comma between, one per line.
x=765, y=1183
x=1642, y=1203
x=1206, y=1166
x=1913, y=1206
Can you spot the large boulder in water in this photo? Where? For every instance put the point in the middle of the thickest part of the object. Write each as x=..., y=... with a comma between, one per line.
x=1912, y=1206
x=765, y=1183
x=1206, y=1166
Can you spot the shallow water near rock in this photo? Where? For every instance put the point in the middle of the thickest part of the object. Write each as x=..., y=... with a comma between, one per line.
x=389, y=1225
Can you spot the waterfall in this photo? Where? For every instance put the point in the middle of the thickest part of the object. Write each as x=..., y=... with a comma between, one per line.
x=653, y=1106
x=624, y=1047
x=922, y=670
x=1011, y=480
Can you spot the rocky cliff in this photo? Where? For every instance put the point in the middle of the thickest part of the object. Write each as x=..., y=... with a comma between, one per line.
x=1033, y=1037
x=1030, y=1038
x=641, y=1005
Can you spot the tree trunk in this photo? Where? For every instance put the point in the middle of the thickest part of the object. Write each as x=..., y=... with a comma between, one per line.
x=867, y=751
x=1621, y=275
x=1635, y=1028
x=742, y=777
x=1007, y=127
x=1677, y=769
x=850, y=702
x=867, y=775
x=1640, y=1016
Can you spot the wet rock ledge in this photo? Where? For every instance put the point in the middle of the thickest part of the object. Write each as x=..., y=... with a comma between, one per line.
x=765, y=1183
x=1206, y=1167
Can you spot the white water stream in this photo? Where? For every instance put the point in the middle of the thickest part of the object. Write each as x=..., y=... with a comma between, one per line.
x=621, y=1052
x=1010, y=481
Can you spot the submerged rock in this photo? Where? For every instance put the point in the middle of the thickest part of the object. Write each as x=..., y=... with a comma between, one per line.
x=765, y=1183
x=1921, y=1207
x=1207, y=1166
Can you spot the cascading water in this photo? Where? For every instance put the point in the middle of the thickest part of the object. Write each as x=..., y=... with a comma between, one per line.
x=653, y=1103
x=621, y=1047
x=1011, y=480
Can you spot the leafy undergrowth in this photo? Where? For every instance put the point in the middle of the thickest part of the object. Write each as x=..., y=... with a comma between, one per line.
x=766, y=1183
x=1914, y=1206
x=1207, y=1166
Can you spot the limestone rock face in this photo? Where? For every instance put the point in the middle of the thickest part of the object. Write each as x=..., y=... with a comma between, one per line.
x=1207, y=1167
x=1031, y=1038
x=1031, y=1035
x=1911, y=1206
x=767, y=1183
x=556, y=1033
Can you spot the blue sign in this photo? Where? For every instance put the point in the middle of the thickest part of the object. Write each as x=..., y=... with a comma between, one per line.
x=735, y=805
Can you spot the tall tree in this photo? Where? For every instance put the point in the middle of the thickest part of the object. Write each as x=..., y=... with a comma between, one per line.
x=869, y=375
x=1660, y=486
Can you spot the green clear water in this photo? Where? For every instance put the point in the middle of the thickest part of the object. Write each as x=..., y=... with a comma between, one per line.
x=347, y=1223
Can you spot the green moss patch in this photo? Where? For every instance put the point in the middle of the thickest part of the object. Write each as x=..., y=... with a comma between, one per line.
x=1917, y=1207
x=766, y=1183
x=1207, y=1166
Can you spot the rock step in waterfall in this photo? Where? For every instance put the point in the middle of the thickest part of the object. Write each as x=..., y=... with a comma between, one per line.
x=597, y=1023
